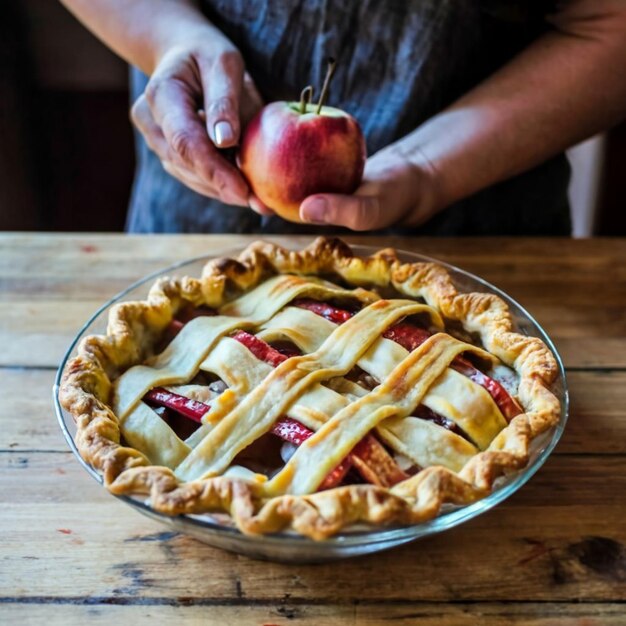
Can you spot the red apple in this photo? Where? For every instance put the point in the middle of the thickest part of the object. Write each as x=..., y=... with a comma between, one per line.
x=292, y=150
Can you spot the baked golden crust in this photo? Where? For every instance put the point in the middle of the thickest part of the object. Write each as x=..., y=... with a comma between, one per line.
x=134, y=328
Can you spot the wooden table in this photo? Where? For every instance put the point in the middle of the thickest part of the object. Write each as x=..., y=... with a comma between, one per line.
x=554, y=553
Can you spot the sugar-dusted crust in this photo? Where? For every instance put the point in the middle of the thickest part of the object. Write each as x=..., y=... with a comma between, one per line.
x=135, y=326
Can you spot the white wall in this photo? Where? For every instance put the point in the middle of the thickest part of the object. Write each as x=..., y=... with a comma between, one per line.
x=587, y=161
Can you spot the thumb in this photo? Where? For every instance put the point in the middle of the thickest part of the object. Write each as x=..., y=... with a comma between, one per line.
x=356, y=212
x=222, y=80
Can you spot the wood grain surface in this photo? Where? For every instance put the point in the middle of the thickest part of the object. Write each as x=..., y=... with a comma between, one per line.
x=554, y=553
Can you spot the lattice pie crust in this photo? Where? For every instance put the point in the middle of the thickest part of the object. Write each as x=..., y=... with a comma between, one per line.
x=138, y=453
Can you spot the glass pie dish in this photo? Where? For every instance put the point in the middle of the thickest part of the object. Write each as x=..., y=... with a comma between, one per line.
x=218, y=529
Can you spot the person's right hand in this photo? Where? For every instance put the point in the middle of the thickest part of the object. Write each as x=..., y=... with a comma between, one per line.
x=196, y=101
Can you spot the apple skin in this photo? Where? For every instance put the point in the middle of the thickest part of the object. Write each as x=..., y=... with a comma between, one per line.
x=287, y=156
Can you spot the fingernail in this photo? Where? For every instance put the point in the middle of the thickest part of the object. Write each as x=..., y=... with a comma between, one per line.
x=224, y=133
x=315, y=211
x=255, y=205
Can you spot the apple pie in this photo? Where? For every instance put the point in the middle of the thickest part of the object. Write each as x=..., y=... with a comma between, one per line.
x=308, y=391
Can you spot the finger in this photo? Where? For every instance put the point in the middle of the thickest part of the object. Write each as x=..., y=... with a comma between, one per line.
x=199, y=186
x=190, y=180
x=141, y=117
x=222, y=81
x=258, y=206
x=173, y=108
x=358, y=212
x=251, y=100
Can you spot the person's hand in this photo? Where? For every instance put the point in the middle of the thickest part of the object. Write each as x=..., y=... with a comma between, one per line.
x=395, y=190
x=197, y=100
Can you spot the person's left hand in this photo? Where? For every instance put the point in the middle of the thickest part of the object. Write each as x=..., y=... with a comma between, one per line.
x=394, y=191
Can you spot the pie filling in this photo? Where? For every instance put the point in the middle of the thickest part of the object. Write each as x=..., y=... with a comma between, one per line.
x=383, y=455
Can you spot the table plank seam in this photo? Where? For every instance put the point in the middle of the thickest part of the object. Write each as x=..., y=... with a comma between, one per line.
x=29, y=368
x=243, y=601
x=594, y=369
x=33, y=451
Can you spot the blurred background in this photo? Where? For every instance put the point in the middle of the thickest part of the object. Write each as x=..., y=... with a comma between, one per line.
x=66, y=143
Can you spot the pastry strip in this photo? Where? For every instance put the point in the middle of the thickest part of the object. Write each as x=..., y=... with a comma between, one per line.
x=256, y=413
x=453, y=395
x=398, y=395
x=180, y=360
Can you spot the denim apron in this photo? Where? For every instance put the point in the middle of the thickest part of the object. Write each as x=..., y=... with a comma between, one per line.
x=399, y=63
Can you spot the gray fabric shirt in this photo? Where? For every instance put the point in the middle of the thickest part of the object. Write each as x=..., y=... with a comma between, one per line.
x=400, y=62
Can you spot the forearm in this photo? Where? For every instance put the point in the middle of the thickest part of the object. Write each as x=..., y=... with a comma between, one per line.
x=565, y=87
x=140, y=31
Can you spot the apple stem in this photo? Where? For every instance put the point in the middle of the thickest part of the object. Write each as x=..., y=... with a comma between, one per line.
x=305, y=97
x=332, y=64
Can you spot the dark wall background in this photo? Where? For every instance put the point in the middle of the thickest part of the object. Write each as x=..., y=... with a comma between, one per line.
x=66, y=154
